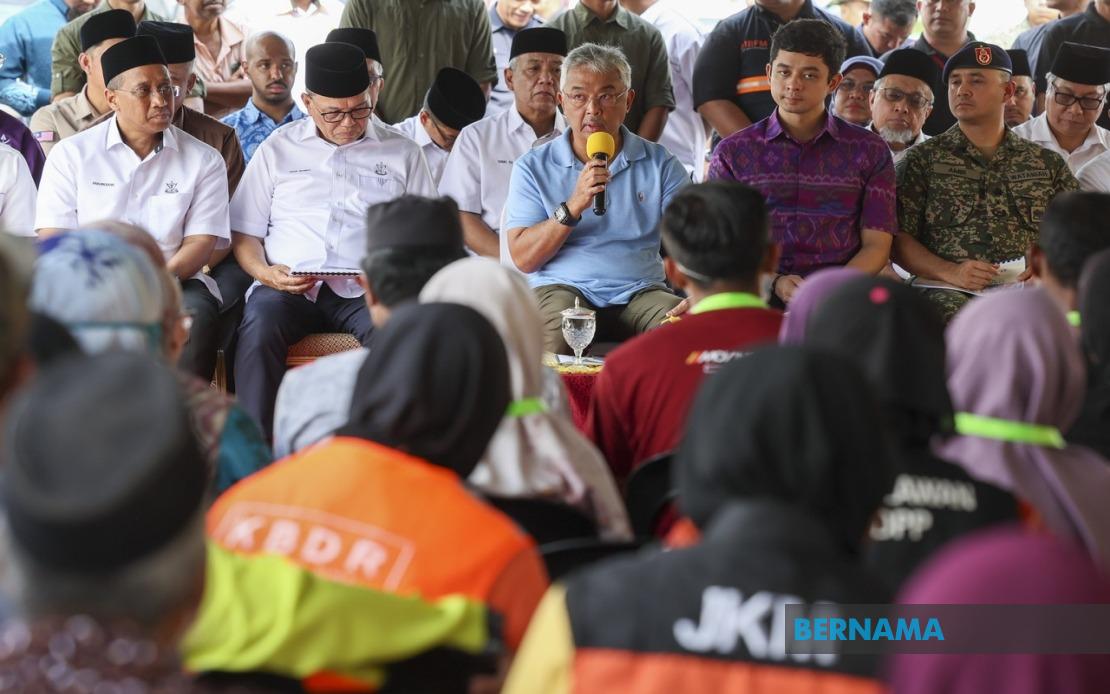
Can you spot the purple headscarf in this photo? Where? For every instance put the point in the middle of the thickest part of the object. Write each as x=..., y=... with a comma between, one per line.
x=1004, y=566
x=1012, y=356
x=816, y=288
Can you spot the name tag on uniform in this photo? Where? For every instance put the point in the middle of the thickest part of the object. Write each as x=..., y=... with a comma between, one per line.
x=952, y=170
x=1031, y=175
x=46, y=136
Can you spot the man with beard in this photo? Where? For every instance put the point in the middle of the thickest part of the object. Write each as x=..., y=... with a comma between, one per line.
x=271, y=68
x=903, y=99
x=944, y=33
x=478, y=169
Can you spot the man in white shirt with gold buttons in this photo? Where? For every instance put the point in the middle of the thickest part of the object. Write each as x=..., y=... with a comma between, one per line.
x=477, y=171
x=301, y=208
x=138, y=168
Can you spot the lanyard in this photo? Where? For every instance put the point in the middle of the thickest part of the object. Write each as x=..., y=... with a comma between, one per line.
x=969, y=424
x=718, y=302
x=525, y=407
x=1073, y=319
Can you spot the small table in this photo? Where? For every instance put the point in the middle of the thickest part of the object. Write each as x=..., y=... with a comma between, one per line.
x=579, y=382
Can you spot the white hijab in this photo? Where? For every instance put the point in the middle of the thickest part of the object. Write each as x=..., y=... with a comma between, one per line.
x=540, y=454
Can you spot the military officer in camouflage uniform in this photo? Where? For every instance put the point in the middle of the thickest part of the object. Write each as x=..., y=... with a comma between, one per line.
x=972, y=197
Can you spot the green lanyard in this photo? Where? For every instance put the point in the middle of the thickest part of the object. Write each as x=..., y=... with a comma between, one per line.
x=1073, y=319
x=969, y=424
x=525, y=407
x=718, y=302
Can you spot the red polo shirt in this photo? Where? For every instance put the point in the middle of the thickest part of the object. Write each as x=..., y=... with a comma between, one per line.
x=639, y=403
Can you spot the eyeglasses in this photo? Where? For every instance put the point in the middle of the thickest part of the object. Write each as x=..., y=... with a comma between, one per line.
x=606, y=101
x=1087, y=103
x=849, y=86
x=448, y=138
x=915, y=101
x=143, y=93
x=360, y=113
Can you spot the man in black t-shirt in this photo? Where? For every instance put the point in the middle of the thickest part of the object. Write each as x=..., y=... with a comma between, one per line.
x=731, y=89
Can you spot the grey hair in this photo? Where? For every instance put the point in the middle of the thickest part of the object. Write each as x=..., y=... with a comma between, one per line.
x=598, y=58
x=147, y=591
x=1051, y=80
x=881, y=82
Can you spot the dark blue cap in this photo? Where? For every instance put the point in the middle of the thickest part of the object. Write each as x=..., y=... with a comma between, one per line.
x=979, y=55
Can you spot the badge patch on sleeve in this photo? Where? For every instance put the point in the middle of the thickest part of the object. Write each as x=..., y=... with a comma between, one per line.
x=46, y=136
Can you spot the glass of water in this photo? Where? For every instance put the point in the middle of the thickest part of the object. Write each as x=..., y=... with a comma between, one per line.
x=578, y=329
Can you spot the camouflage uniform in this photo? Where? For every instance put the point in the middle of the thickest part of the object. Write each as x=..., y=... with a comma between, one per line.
x=961, y=206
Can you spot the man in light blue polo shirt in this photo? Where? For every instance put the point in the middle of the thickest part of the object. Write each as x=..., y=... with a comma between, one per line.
x=609, y=262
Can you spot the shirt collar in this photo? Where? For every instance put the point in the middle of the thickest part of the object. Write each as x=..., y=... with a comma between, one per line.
x=585, y=16
x=85, y=108
x=61, y=7
x=252, y=114
x=313, y=8
x=516, y=122
x=806, y=12
x=562, y=151
x=114, y=138
x=495, y=22
x=727, y=300
x=775, y=129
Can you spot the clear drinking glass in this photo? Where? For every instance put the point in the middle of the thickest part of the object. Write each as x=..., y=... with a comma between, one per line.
x=578, y=329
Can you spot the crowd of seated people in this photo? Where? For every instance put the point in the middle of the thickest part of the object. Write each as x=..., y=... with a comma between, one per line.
x=850, y=348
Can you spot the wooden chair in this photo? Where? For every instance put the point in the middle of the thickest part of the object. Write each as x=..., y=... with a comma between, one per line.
x=319, y=345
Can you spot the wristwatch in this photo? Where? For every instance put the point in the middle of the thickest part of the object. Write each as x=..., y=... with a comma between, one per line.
x=563, y=216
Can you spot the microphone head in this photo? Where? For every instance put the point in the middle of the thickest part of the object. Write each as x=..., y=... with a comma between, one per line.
x=600, y=143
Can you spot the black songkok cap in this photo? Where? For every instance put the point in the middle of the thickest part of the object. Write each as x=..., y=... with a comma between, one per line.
x=1020, y=61
x=1082, y=64
x=539, y=40
x=978, y=55
x=136, y=51
x=113, y=24
x=175, y=40
x=455, y=99
x=414, y=222
x=336, y=70
x=100, y=464
x=365, y=39
x=912, y=63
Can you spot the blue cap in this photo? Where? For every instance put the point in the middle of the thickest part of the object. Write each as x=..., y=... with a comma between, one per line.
x=867, y=61
x=979, y=55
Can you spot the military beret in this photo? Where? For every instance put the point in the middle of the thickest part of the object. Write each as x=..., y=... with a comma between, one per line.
x=414, y=221
x=113, y=24
x=136, y=51
x=365, y=39
x=1020, y=61
x=455, y=99
x=175, y=40
x=539, y=40
x=978, y=55
x=912, y=63
x=336, y=70
x=1082, y=64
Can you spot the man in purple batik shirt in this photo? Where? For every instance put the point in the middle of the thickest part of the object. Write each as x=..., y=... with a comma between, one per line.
x=16, y=135
x=829, y=185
